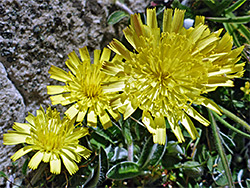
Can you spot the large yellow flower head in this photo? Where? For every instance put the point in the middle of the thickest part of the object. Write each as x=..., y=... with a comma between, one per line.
x=83, y=88
x=169, y=70
x=53, y=139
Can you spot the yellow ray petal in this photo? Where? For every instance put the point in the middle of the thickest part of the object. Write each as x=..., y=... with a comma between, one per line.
x=35, y=160
x=211, y=105
x=92, y=118
x=84, y=54
x=178, y=19
x=194, y=114
x=13, y=138
x=105, y=54
x=73, y=62
x=59, y=74
x=160, y=134
x=199, y=20
x=81, y=115
x=120, y=49
x=105, y=120
x=176, y=129
x=167, y=20
x=71, y=154
x=97, y=54
x=83, y=151
x=136, y=23
x=22, y=127
x=21, y=152
x=131, y=107
x=72, y=111
x=63, y=99
x=30, y=118
x=55, y=164
x=113, y=86
x=151, y=18
x=188, y=124
x=115, y=114
x=56, y=89
x=69, y=164
x=46, y=156
x=111, y=68
x=148, y=122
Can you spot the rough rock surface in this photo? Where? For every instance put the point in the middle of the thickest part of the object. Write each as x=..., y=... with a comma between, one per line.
x=35, y=34
x=12, y=108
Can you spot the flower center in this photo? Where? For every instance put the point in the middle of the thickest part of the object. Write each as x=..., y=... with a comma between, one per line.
x=92, y=91
x=50, y=138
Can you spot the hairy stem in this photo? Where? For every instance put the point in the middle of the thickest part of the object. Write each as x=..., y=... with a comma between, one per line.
x=220, y=149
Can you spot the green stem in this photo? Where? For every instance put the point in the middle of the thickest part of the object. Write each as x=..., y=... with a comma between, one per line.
x=230, y=126
x=37, y=175
x=235, y=118
x=130, y=152
x=220, y=149
x=239, y=19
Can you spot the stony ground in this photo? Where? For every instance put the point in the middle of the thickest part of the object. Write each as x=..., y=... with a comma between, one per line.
x=35, y=34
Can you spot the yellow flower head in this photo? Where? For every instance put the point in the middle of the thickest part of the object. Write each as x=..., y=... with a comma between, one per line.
x=53, y=139
x=83, y=88
x=246, y=89
x=170, y=69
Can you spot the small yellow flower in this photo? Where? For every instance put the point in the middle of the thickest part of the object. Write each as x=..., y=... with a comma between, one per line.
x=169, y=70
x=53, y=139
x=83, y=87
x=246, y=89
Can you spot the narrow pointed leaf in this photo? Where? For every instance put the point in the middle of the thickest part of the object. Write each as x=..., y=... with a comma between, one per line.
x=124, y=170
x=239, y=19
x=116, y=16
x=151, y=154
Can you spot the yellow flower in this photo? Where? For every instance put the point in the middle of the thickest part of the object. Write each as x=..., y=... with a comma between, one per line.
x=53, y=139
x=83, y=88
x=169, y=71
x=246, y=89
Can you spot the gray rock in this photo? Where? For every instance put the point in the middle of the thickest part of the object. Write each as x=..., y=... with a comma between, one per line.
x=12, y=109
x=35, y=34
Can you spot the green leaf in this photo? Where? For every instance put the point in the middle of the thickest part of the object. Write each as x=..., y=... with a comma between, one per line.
x=221, y=178
x=98, y=175
x=103, y=134
x=104, y=165
x=2, y=174
x=170, y=161
x=174, y=148
x=210, y=163
x=98, y=141
x=248, y=183
x=126, y=132
x=239, y=19
x=211, y=4
x=151, y=153
x=119, y=153
x=234, y=6
x=243, y=30
x=222, y=6
x=25, y=166
x=192, y=169
x=124, y=170
x=117, y=16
